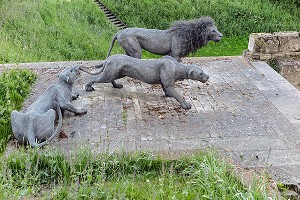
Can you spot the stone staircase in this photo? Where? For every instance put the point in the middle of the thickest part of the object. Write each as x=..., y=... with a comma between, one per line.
x=110, y=16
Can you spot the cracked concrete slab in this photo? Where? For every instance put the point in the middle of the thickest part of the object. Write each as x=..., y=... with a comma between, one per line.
x=247, y=111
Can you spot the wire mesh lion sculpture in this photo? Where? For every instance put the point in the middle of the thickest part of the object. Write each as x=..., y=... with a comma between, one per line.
x=182, y=38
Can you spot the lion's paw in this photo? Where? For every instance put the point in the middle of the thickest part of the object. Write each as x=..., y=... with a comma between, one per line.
x=81, y=111
x=89, y=88
x=186, y=106
x=118, y=86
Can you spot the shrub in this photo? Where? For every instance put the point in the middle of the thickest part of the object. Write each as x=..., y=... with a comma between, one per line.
x=14, y=87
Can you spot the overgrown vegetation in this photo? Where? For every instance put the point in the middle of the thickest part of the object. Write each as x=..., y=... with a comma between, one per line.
x=78, y=30
x=288, y=3
x=14, y=87
x=49, y=174
x=53, y=30
x=236, y=19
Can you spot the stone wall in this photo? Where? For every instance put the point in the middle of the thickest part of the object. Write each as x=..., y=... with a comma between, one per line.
x=281, y=50
x=290, y=70
x=279, y=46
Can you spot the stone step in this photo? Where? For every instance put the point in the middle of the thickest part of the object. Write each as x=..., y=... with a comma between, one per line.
x=110, y=16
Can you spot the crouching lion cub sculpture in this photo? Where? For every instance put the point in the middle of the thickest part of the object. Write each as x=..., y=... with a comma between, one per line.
x=182, y=38
x=165, y=71
x=37, y=123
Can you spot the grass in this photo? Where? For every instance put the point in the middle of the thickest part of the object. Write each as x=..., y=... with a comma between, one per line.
x=52, y=30
x=49, y=174
x=236, y=19
x=14, y=88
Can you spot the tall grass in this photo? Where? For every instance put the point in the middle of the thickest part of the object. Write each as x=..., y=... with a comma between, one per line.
x=52, y=30
x=236, y=19
x=49, y=174
x=14, y=88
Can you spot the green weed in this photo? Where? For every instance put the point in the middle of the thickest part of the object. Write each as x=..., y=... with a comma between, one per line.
x=14, y=87
x=48, y=174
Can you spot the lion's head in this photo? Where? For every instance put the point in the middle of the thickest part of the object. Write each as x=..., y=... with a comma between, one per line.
x=69, y=75
x=194, y=34
x=213, y=33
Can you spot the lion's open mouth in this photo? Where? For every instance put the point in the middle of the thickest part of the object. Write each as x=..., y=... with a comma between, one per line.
x=217, y=39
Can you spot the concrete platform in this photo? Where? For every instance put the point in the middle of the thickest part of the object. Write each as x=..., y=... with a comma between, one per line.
x=247, y=111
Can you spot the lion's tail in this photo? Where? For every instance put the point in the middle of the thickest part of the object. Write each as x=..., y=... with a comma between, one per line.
x=112, y=44
x=91, y=73
x=31, y=138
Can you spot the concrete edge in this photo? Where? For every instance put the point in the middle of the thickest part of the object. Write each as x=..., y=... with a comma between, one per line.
x=51, y=65
x=59, y=64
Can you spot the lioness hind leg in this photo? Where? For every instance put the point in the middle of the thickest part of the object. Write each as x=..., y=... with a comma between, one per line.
x=105, y=77
x=44, y=125
x=20, y=122
x=88, y=86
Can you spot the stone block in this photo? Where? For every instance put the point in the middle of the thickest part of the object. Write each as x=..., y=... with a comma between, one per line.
x=265, y=56
x=286, y=56
x=294, y=55
x=288, y=41
x=263, y=43
x=291, y=71
x=249, y=55
x=279, y=56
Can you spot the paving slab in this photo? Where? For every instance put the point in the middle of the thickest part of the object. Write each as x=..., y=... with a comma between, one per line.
x=246, y=110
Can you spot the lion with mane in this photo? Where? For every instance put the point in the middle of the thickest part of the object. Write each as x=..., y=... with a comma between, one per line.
x=182, y=38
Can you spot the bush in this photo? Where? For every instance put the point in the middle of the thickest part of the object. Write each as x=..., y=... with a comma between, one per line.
x=14, y=87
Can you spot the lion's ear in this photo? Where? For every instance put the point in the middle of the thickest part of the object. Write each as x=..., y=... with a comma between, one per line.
x=191, y=73
x=77, y=67
x=66, y=78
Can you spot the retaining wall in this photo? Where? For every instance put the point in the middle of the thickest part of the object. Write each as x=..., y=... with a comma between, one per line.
x=279, y=46
x=280, y=49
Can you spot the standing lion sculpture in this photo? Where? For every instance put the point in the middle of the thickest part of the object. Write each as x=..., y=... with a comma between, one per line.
x=182, y=38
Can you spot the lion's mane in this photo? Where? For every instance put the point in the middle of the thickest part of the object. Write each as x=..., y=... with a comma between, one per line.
x=192, y=34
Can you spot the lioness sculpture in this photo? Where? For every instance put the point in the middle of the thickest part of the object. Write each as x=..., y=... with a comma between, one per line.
x=179, y=40
x=165, y=71
x=37, y=123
